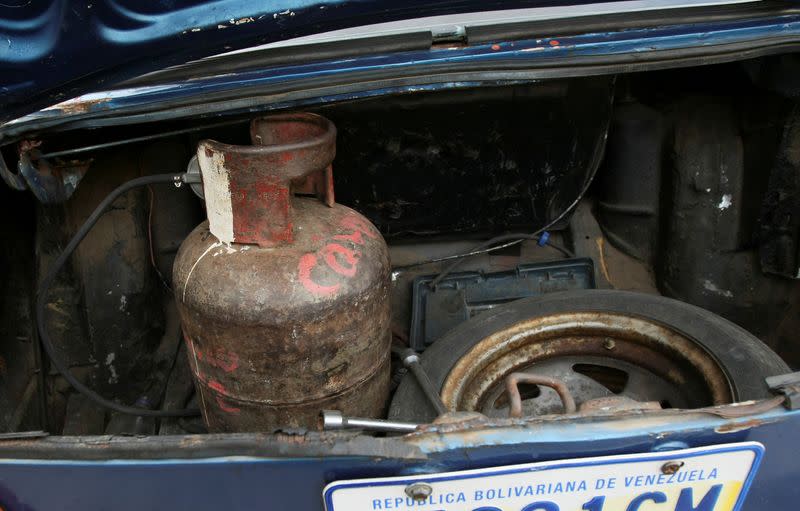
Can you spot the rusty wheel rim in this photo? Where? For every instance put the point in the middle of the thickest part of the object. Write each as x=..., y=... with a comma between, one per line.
x=654, y=356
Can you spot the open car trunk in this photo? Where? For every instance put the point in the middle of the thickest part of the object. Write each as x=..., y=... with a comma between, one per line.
x=643, y=253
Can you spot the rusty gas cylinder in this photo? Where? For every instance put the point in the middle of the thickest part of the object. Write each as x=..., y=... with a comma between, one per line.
x=284, y=299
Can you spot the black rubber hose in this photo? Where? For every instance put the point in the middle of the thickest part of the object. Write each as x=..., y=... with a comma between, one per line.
x=44, y=288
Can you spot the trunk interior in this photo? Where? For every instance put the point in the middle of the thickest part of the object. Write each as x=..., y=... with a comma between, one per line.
x=680, y=183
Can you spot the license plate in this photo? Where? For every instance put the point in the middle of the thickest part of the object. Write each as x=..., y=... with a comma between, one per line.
x=712, y=478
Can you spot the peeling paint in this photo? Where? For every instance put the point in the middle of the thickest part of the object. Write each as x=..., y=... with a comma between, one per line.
x=225, y=249
x=710, y=286
x=217, y=190
x=287, y=12
x=725, y=202
x=109, y=362
x=81, y=106
x=735, y=427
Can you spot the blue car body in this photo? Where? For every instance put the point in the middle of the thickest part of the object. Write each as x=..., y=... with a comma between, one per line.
x=46, y=64
x=291, y=469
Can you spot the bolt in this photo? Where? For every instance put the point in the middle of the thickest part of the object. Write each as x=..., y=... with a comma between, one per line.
x=671, y=467
x=609, y=344
x=419, y=491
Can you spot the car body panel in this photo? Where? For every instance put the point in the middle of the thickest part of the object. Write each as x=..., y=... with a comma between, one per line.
x=184, y=476
x=440, y=67
x=60, y=49
x=289, y=470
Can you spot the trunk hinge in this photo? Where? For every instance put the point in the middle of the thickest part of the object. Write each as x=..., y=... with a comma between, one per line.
x=51, y=182
x=452, y=34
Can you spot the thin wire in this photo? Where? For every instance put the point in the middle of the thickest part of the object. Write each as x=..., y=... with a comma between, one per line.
x=133, y=140
x=597, y=158
x=150, y=241
x=565, y=251
x=517, y=237
x=457, y=256
x=47, y=282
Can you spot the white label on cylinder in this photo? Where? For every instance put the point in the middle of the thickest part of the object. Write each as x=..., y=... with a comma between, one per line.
x=217, y=191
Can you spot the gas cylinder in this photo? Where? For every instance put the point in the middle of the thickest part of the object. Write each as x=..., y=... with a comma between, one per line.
x=283, y=294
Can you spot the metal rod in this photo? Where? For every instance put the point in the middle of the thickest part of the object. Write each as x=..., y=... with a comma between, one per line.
x=411, y=361
x=23, y=435
x=40, y=368
x=333, y=420
x=133, y=140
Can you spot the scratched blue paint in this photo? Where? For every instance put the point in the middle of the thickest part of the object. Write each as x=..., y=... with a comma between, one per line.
x=514, y=53
x=251, y=483
x=248, y=483
x=57, y=49
x=571, y=431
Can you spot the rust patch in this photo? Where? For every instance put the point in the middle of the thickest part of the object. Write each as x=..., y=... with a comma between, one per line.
x=79, y=106
x=291, y=438
x=735, y=427
x=637, y=341
x=28, y=145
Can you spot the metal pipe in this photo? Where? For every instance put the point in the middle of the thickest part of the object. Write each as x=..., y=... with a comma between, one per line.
x=410, y=359
x=39, y=368
x=333, y=420
x=133, y=140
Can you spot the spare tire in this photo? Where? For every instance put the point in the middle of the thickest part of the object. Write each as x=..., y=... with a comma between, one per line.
x=663, y=349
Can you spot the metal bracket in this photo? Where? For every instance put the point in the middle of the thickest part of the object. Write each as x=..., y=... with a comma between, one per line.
x=787, y=385
x=50, y=183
